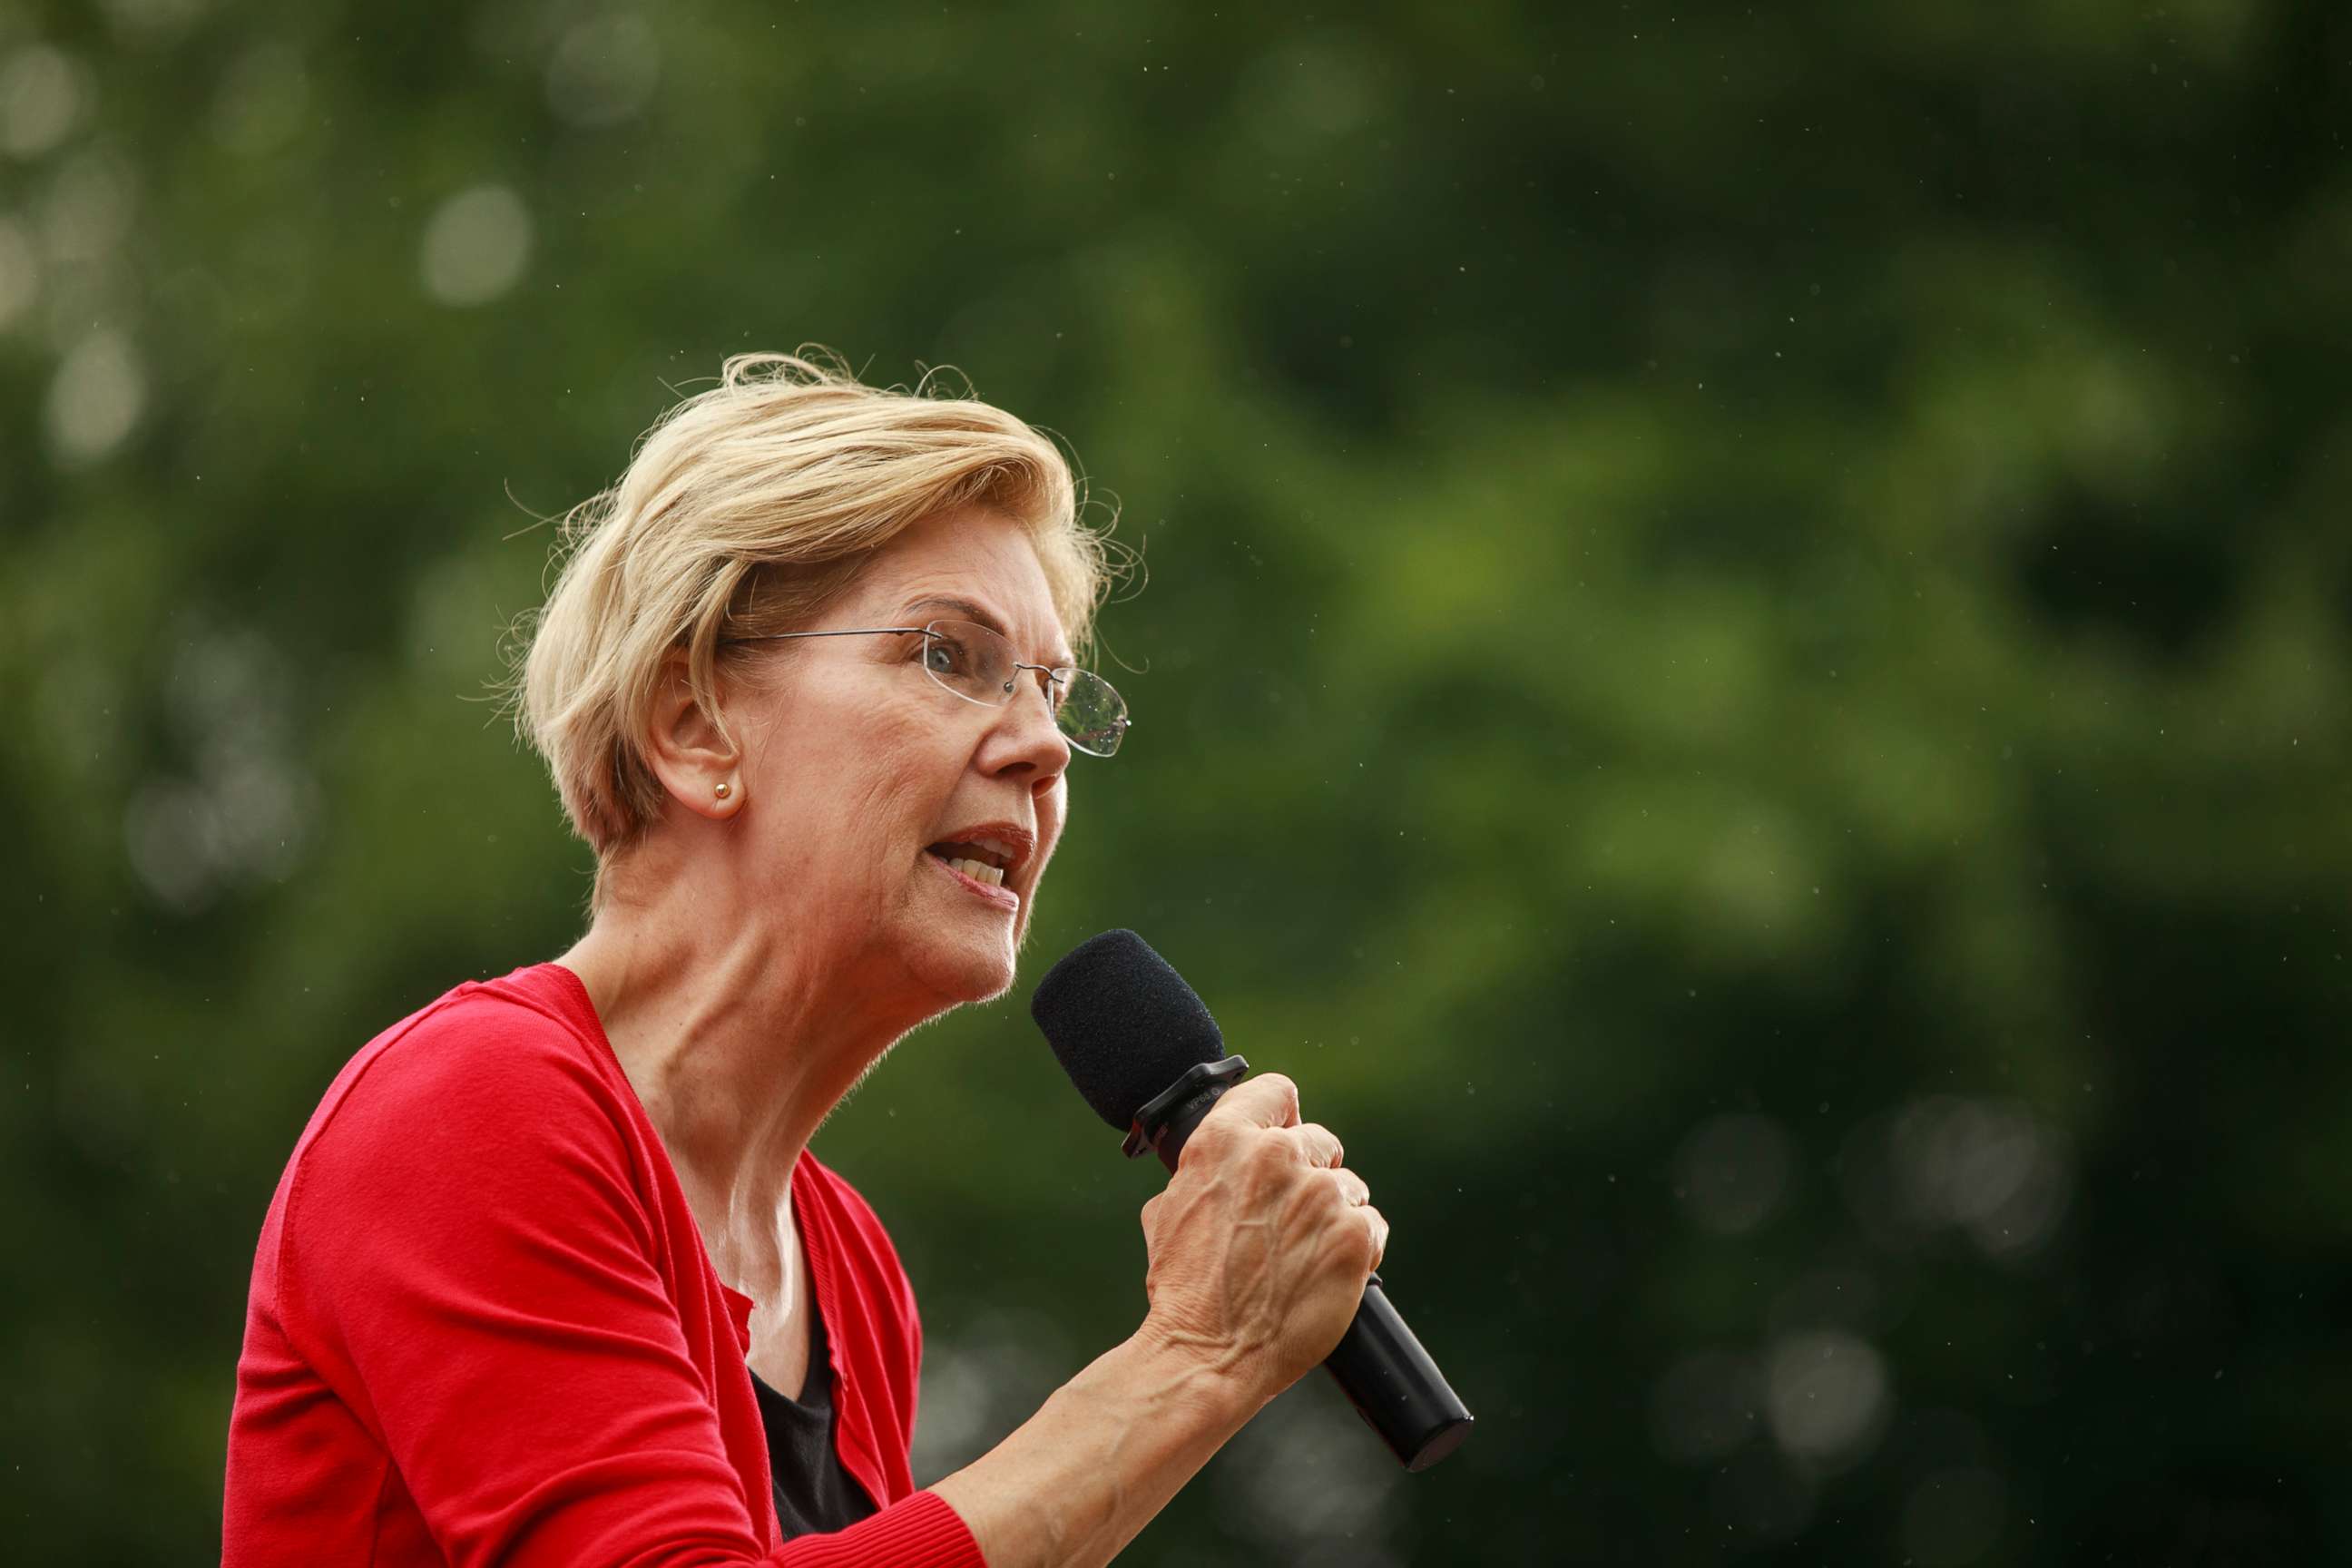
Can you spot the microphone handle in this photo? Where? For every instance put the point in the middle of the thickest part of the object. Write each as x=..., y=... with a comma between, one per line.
x=1379, y=1366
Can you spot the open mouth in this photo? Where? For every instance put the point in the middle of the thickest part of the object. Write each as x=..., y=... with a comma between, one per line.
x=982, y=862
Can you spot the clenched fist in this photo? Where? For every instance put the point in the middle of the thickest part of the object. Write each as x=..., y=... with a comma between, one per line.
x=1261, y=1245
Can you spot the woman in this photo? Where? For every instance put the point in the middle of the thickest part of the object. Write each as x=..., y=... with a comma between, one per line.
x=551, y=1276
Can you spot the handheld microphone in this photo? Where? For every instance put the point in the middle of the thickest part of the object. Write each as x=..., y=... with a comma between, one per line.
x=1143, y=1050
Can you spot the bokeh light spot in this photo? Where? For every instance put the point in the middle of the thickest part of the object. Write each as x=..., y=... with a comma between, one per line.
x=476, y=246
x=602, y=71
x=41, y=95
x=96, y=397
x=1826, y=1395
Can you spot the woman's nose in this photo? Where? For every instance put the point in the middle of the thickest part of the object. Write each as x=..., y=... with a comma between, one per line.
x=1028, y=729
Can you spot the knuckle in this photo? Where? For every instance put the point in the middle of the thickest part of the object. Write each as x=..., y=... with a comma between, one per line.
x=1210, y=1138
x=1271, y=1152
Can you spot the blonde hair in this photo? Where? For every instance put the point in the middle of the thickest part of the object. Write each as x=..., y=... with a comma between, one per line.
x=746, y=510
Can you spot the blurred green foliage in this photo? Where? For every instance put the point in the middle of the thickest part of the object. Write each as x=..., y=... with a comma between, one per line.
x=1744, y=674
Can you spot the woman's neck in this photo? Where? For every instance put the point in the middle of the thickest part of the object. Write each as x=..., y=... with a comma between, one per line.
x=738, y=1049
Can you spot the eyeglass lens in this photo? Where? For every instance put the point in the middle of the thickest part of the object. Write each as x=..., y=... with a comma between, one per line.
x=980, y=666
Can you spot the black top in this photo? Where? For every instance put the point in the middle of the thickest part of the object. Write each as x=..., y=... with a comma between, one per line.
x=814, y=1496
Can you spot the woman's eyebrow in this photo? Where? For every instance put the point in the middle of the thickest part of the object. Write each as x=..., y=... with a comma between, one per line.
x=970, y=610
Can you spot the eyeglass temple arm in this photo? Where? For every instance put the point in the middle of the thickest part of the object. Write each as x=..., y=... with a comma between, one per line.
x=854, y=632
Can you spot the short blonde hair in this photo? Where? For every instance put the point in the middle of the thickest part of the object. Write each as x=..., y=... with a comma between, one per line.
x=747, y=510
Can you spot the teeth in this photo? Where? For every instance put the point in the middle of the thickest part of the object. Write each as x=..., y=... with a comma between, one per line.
x=979, y=871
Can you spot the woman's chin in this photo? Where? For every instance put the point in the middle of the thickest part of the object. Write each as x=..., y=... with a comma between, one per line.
x=967, y=971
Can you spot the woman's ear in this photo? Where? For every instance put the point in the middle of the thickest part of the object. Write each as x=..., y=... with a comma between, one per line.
x=685, y=748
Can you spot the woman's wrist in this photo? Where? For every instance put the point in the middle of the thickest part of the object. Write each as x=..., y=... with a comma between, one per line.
x=1211, y=1377
x=1077, y=1480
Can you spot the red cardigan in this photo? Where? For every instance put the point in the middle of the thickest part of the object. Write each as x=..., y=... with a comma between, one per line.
x=483, y=1328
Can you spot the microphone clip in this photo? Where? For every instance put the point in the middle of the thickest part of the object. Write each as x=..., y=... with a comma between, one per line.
x=1203, y=1082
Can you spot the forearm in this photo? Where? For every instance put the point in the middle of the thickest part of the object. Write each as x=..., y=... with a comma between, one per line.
x=1081, y=1478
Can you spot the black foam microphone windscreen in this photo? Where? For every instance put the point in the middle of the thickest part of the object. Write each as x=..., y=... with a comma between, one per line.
x=1123, y=1023
x=1130, y=1032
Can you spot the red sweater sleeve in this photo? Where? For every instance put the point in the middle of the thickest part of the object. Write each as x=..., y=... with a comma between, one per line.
x=469, y=1261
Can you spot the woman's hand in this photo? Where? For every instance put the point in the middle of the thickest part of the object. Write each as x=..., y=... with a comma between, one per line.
x=1260, y=1247
x=1261, y=1244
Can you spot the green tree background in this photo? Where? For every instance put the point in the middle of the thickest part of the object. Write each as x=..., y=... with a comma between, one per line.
x=1743, y=673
